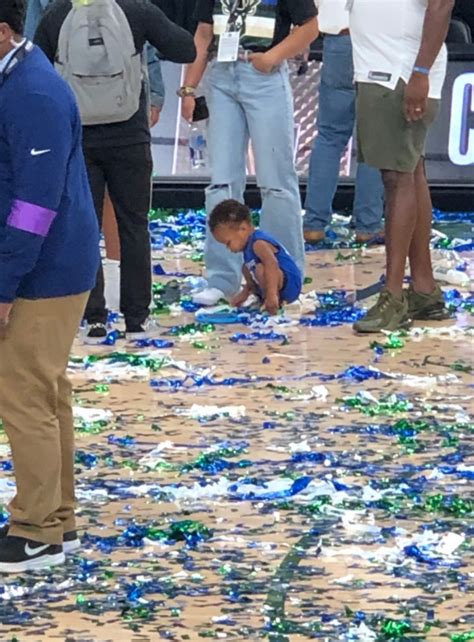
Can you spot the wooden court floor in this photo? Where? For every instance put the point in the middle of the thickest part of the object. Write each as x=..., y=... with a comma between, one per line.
x=285, y=482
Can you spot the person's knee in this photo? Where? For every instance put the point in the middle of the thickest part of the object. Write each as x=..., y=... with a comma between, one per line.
x=274, y=192
x=260, y=273
x=216, y=193
x=394, y=181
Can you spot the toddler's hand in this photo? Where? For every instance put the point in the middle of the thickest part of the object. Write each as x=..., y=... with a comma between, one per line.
x=272, y=304
x=239, y=299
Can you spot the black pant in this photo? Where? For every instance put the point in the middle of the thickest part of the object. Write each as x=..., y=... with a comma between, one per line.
x=126, y=172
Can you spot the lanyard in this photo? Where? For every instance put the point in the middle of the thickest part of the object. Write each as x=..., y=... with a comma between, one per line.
x=19, y=55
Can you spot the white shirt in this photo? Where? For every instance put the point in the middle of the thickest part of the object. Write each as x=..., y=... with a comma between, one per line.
x=6, y=59
x=386, y=38
x=333, y=16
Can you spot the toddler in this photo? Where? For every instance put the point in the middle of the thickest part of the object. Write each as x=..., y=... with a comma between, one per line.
x=269, y=271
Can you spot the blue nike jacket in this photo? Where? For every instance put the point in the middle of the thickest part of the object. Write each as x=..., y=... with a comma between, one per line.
x=49, y=236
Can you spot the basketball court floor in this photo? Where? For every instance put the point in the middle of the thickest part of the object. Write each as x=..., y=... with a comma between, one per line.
x=257, y=480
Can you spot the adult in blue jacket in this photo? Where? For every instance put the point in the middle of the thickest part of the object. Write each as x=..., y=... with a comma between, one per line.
x=49, y=255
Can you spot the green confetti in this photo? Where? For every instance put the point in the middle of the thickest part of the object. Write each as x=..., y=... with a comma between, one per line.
x=394, y=342
x=192, y=328
x=388, y=406
x=207, y=459
x=200, y=345
x=449, y=504
x=461, y=366
x=462, y=637
x=394, y=629
x=180, y=531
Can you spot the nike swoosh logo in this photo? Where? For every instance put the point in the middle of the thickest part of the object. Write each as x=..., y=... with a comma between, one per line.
x=34, y=551
x=39, y=152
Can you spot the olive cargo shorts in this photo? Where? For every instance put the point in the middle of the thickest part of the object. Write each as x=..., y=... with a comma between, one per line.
x=385, y=139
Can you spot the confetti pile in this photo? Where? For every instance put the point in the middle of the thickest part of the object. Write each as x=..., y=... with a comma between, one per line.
x=248, y=478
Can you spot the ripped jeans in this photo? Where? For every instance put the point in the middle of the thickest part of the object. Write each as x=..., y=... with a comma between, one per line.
x=247, y=104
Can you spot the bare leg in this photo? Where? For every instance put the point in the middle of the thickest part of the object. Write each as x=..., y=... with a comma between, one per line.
x=400, y=221
x=420, y=255
x=261, y=279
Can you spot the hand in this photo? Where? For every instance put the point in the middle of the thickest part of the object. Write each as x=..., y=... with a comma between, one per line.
x=272, y=304
x=263, y=62
x=188, y=104
x=154, y=115
x=5, y=309
x=239, y=299
x=416, y=97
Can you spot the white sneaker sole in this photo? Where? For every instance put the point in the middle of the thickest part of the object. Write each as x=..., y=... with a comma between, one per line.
x=43, y=562
x=72, y=546
x=208, y=300
x=141, y=336
x=91, y=341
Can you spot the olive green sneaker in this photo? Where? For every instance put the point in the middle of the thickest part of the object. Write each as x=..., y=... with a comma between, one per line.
x=387, y=314
x=427, y=307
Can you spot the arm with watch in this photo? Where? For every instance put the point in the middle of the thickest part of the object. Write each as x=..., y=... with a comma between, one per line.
x=435, y=29
x=295, y=43
x=195, y=71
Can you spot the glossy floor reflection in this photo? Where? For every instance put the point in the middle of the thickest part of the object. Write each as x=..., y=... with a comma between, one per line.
x=298, y=484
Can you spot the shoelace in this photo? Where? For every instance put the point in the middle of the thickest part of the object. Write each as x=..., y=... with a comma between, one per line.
x=97, y=326
x=384, y=301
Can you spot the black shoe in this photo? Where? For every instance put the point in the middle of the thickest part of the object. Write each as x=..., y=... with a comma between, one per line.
x=71, y=541
x=147, y=330
x=19, y=554
x=96, y=333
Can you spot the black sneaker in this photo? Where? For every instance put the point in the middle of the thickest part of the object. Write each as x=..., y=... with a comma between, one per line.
x=148, y=330
x=19, y=554
x=71, y=541
x=96, y=333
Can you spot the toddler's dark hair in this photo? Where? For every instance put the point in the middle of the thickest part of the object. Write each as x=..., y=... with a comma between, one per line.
x=229, y=212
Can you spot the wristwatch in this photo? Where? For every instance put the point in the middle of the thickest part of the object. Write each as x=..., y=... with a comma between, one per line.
x=187, y=90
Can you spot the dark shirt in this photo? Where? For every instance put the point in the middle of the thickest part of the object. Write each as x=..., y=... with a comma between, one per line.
x=181, y=12
x=464, y=9
x=262, y=23
x=147, y=23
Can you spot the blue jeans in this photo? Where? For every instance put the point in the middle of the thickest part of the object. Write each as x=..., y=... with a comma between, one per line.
x=247, y=104
x=336, y=124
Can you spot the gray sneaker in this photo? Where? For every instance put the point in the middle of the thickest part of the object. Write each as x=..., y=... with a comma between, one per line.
x=387, y=314
x=427, y=307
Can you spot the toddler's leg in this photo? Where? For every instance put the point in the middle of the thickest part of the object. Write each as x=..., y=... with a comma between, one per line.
x=262, y=279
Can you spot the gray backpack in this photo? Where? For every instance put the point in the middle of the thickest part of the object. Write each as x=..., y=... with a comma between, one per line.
x=97, y=58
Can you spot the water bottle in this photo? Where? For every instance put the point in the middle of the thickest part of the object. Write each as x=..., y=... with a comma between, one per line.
x=448, y=275
x=197, y=145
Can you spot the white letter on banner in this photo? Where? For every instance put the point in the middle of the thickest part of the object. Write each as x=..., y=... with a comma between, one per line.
x=461, y=134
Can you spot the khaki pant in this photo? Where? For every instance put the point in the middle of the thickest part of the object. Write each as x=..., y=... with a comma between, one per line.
x=35, y=405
